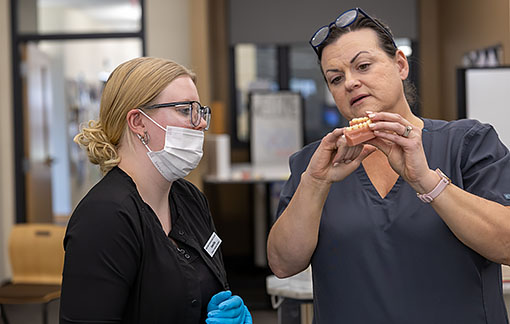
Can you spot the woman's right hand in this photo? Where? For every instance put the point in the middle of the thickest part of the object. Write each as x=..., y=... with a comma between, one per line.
x=225, y=308
x=334, y=159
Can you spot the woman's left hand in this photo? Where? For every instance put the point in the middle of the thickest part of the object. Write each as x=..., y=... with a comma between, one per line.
x=401, y=142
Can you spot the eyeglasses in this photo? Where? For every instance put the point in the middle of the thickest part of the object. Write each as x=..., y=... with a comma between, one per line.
x=344, y=20
x=193, y=109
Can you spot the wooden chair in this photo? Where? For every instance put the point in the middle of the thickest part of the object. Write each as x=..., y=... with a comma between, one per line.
x=36, y=254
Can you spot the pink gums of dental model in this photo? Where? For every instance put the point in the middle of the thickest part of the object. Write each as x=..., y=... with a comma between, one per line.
x=358, y=131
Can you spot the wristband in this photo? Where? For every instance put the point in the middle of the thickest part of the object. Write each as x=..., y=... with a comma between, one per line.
x=429, y=197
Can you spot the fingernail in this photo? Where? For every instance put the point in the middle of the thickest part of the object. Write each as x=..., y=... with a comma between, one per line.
x=371, y=115
x=335, y=164
x=371, y=125
x=347, y=161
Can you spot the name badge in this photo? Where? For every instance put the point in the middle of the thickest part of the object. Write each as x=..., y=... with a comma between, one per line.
x=213, y=243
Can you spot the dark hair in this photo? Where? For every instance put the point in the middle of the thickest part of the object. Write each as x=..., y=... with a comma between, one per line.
x=385, y=42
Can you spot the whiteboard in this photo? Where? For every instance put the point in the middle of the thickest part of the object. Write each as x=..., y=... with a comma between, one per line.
x=276, y=127
x=488, y=98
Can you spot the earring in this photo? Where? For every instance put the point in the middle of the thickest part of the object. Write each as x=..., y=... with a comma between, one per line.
x=144, y=139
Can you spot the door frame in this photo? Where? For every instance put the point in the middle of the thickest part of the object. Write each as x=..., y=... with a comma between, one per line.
x=17, y=39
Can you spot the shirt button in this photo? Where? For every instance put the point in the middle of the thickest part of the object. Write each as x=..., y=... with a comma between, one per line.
x=186, y=256
x=181, y=232
x=194, y=302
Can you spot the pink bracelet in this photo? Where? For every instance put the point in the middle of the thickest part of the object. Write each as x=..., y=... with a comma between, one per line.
x=429, y=197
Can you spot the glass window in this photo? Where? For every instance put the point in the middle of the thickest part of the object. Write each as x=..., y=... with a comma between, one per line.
x=67, y=48
x=78, y=70
x=321, y=114
x=78, y=16
x=255, y=69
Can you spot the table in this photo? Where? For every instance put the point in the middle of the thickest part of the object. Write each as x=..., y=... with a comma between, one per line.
x=292, y=295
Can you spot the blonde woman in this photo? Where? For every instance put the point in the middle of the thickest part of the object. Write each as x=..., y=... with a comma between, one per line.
x=141, y=246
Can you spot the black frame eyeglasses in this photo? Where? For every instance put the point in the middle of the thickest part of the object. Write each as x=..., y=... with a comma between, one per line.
x=345, y=19
x=196, y=111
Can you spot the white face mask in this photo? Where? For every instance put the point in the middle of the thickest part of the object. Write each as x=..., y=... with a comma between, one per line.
x=181, y=154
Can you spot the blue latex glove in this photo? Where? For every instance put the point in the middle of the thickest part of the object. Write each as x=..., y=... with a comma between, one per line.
x=224, y=308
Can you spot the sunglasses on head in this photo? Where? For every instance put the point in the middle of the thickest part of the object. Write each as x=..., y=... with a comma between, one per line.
x=342, y=21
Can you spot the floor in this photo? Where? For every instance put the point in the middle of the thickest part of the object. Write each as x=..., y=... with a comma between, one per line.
x=264, y=317
x=249, y=282
x=247, y=288
x=245, y=280
x=32, y=314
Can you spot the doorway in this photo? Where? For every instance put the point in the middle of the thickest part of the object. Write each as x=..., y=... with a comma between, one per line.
x=63, y=52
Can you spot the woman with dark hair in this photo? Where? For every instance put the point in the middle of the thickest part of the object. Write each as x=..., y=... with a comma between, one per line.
x=403, y=219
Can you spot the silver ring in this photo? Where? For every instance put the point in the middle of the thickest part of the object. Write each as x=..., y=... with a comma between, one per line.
x=407, y=131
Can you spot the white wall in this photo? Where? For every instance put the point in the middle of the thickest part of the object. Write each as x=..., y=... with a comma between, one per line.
x=167, y=33
x=6, y=140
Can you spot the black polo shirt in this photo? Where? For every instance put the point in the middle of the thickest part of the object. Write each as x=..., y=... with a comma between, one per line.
x=120, y=267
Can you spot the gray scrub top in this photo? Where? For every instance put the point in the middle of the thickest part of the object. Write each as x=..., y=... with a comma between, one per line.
x=394, y=260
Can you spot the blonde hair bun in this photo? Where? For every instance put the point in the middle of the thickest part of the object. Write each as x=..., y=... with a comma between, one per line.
x=99, y=149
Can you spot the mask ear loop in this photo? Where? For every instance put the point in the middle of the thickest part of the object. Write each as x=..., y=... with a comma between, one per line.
x=145, y=140
x=152, y=120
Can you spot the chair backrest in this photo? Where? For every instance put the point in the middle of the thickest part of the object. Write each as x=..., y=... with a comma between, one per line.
x=36, y=253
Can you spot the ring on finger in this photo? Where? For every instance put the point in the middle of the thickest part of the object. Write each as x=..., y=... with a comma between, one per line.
x=407, y=131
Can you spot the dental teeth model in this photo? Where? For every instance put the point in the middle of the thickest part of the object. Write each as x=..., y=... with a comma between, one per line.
x=358, y=131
